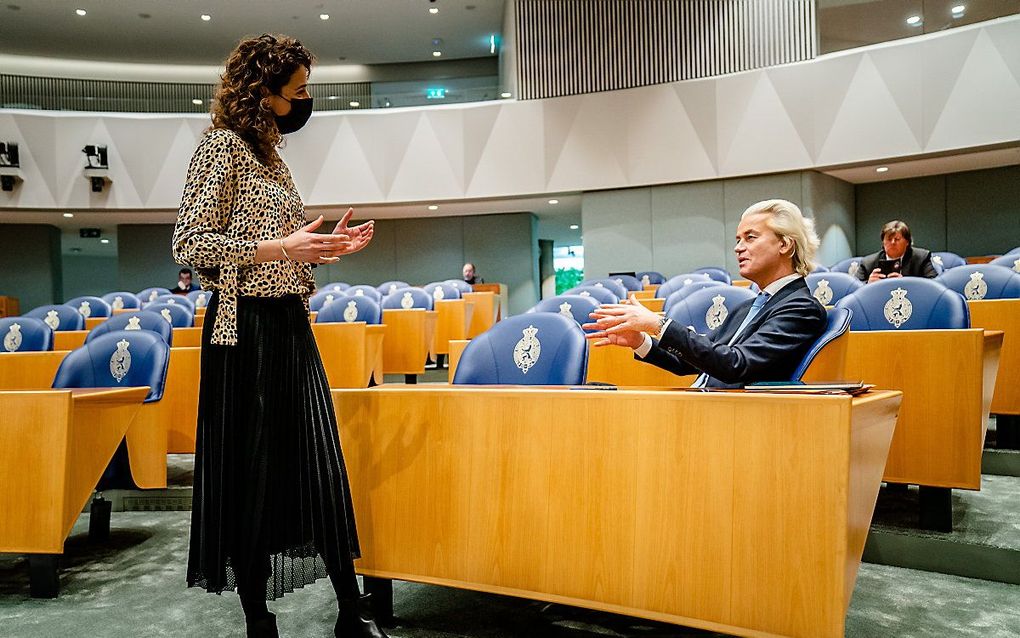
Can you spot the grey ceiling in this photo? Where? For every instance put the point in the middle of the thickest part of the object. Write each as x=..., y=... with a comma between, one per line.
x=357, y=32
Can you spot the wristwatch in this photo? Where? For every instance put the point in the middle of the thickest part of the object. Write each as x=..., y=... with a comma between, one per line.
x=662, y=326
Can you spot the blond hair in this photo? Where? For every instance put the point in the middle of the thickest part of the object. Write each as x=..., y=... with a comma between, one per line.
x=786, y=221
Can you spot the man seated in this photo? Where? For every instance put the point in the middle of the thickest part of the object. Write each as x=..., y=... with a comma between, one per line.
x=184, y=283
x=761, y=340
x=898, y=257
x=469, y=274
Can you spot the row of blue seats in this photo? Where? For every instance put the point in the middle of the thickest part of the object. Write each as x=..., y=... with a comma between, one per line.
x=392, y=294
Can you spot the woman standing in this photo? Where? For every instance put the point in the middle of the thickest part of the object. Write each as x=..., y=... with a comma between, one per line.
x=271, y=508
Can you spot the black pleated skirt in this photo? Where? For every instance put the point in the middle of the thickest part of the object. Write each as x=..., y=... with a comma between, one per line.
x=271, y=490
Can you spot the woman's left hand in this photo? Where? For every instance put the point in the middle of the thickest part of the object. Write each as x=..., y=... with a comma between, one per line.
x=360, y=235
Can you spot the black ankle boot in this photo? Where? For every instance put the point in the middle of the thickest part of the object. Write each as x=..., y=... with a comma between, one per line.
x=356, y=621
x=262, y=628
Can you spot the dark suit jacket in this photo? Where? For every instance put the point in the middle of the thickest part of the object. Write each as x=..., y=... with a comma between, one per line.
x=916, y=263
x=769, y=349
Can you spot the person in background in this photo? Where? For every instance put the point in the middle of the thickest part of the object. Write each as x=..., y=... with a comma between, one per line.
x=469, y=274
x=184, y=283
x=898, y=257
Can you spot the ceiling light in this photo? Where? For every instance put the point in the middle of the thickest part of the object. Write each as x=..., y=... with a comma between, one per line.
x=504, y=95
x=914, y=21
x=206, y=17
x=69, y=215
x=355, y=103
x=433, y=207
x=436, y=54
x=80, y=12
x=196, y=102
x=554, y=201
x=433, y=10
x=324, y=16
x=104, y=241
x=492, y=43
x=574, y=227
x=958, y=10
x=332, y=97
x=882, y=169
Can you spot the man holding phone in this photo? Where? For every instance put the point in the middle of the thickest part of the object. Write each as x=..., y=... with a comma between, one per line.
x=898, y=257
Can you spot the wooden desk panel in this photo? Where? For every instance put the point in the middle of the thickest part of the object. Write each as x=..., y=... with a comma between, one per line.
x=644, y=294
x=617, y=365
x=54, y=446
x=652, y=288
x=9, y=307
x=453, y=322
x=409, y=337
x=69, y=339
x=946, y=377
x=1004, y=315
x=502, y=297
x=179, y=405
x=376, y=339
x=654, y=304
x=485, y=314
x=690, y=508
x=456, y=350
x=29, y=370
x=188, y=337
x=345, y=352
x=92, y=322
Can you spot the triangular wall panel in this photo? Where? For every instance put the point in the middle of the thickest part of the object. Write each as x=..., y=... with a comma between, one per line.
x=765, y=139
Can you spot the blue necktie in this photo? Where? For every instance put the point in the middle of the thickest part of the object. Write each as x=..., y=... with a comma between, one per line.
x=756, y=307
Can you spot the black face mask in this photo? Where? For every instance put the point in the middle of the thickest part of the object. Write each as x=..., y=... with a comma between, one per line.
x=300, y=111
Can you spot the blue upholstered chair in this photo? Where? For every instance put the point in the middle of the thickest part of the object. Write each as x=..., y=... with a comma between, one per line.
x=58, y=317
x=906, y=303
x=1015, y=251
x=651, y=278
x=617, y=289
x=830, y=287
x=123, y=358
x=599, y=293
x=137, y=320
x=336, y=286
x=89, y=306
x=676, y=283
x=1009, y=260
x=408, y=298
x=946, y=261
x=629, y=282
x=706, y=309
x=387, y=287
x=837, y=324
x=820, y=268
x=460, y=285
x=442, y=291
x=362, y=290
x=323, y=298
x=850, y=266
x=574, y=306
x=172, y=299
x=982, y=281
x=176, y=314
x=538, y=348
x=150, y=294
x=715, y=273
x=122, y=300
x=200, y=298
x=25, y=334
x=348, y=309
x=684, y=291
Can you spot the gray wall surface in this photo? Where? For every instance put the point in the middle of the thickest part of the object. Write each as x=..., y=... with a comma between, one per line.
x=679, y=227
x=144, y=257
x=972, y=213
x=30, y=263
x=89, y=275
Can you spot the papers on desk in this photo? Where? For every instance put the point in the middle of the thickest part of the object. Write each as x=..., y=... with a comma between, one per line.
x=823, y=387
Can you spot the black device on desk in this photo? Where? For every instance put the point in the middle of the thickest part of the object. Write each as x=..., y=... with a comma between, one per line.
x=617, y=274
x=888, y=266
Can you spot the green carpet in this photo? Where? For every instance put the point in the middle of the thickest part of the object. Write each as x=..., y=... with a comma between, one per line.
x=134, y=586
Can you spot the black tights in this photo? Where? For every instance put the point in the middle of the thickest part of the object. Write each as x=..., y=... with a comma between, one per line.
x=251, y=588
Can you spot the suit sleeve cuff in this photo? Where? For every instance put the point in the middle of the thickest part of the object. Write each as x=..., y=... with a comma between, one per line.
x=646, y=346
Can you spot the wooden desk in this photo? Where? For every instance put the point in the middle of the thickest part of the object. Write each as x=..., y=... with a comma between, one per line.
x=731, y=512
x=376, y=340
x=652, y=288
x=92, y=322
x=485, y=314
x=1004, y=315
x=69, y=339
x=177, y=411
x=453, y=322
x=188, y=337
x=9, y=307
x=409, y=336
x=982, y=259
x=654, y=304
x=502, y=296
x=741, y=283
x=644, y=294
x=347, y=354
x=29, y=370
x=947, y=378
x=54, y=446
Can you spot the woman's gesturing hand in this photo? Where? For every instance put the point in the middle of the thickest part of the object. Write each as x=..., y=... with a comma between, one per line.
x=359, y=235
x=316, y=248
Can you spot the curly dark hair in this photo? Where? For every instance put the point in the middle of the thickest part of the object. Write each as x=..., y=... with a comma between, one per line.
x=267, y=61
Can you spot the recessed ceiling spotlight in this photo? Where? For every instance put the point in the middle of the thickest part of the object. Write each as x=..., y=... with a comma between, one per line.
x=433, y=10
x=574, y=227
x=355, y=103
x=69, y=215
x=433, y=207
x=324, y=16
x=914, y=21
x=437, y=54
x=958, y=10
x=504, y=95
x=882, y=169
x=196, y=102
x=206, y=17
x=332, y=97
x=80, y=12
x=554, y=201
x=104, y=241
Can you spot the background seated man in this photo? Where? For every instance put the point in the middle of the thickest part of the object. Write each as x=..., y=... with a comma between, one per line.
x=469, y=274
x=184, y=283
x=763, y=340
x=898, y=257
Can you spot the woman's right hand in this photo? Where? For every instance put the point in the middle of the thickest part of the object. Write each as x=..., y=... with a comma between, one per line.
x=316, y=248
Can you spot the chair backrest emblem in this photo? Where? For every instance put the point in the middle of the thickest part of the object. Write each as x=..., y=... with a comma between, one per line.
x=407, y=301
x=153, y=295
x=85, y=309
x=565, y=310
x=134, y=323
x=823, y=293
x=717, y=314
x=937, y=260
x=645, y=281
x=12, y=340
x=437, y=293
x=118, y=303
x=200, y=300
x=528, y=349
x=52, y=319
x=359, y=293
x=351, y=311
x=166, y=315
x=976, y=288
x=854, y=267
x=329, y=300
x=585, y=293
x=1016, y=265
x=120, y=361
x=688, y=281
x=898, y=309
x=393, y=288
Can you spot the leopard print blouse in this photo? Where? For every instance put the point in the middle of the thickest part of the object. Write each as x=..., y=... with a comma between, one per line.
x=231, y=202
